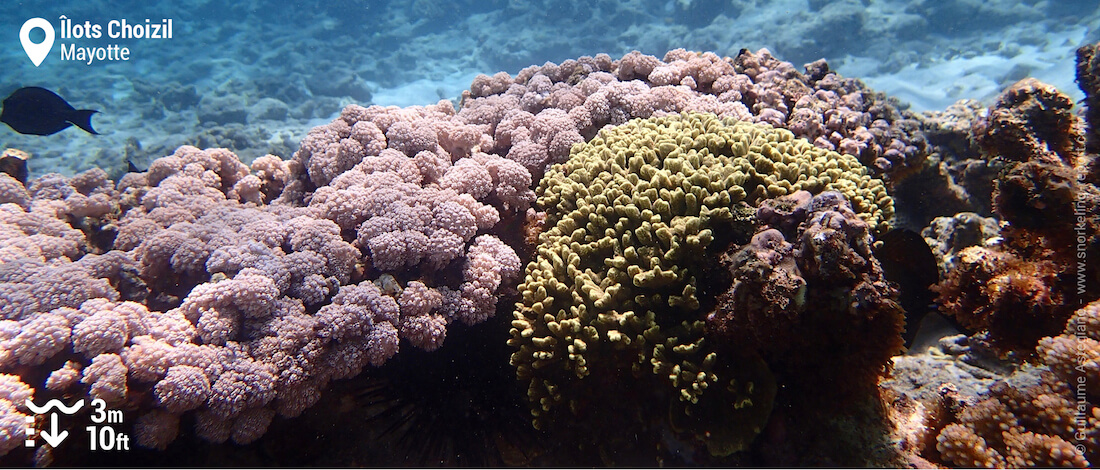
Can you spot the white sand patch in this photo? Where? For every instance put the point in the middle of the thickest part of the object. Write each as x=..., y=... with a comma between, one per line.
x=940, y=83
x=423, y=92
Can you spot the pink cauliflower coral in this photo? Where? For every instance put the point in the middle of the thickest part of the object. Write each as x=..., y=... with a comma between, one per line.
x=103, y=329
x=488, y=263
x=244, y=383
x=290, y=342
x=183, y=388
x=382, y=343
x=106, y=377
x=218, y=308
x=13, y=412
x=39, y=338
x=468, y=176
x=418, y=299
x=426, y=332
x=423, y=328
x=511, y=182
x=156, y=429
x=147, y=359
x=15, y=391
x=272, y=173
x=250, y=425
x=355, y=309
x=219, y=168
x=545, y=109
x=40, y=234
x=64, y=378
x=333, y=150
x=12, y=191
x=412, y=137
x=88, y=194
x=13, y=427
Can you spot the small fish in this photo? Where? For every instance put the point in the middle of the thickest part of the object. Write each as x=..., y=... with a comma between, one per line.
x=38, y=111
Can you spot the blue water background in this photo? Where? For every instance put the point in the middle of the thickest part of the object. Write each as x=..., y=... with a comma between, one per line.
x=255, y=76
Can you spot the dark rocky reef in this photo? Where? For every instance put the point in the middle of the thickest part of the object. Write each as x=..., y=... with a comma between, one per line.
x=809, y=297
x=1025, y=288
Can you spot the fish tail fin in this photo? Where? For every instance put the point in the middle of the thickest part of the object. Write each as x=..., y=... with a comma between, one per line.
x=82, y=118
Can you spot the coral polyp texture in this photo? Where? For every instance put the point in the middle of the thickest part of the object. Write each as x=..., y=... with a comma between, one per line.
x=228, y=294
x=13, y=411
x=631, y=218
x=537, y=115
x=1047, y=421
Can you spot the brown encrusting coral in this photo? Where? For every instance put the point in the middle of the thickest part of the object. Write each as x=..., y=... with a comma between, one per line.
x=809, y=297
x=1016, y=300
x=789, y=291
x=1088, y=78
x=1031, y=121
x=1031, y=294
x=1023, y=288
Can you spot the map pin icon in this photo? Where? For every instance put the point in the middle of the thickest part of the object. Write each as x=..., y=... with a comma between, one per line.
x=37, y=52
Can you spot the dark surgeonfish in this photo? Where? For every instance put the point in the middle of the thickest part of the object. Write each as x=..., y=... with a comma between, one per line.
x=908, y=261
x=38, y=111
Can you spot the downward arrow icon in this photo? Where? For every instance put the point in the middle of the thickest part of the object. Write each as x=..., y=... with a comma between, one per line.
x=52, y=437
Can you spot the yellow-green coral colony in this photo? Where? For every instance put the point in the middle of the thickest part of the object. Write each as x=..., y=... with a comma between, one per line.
x=629, y=217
